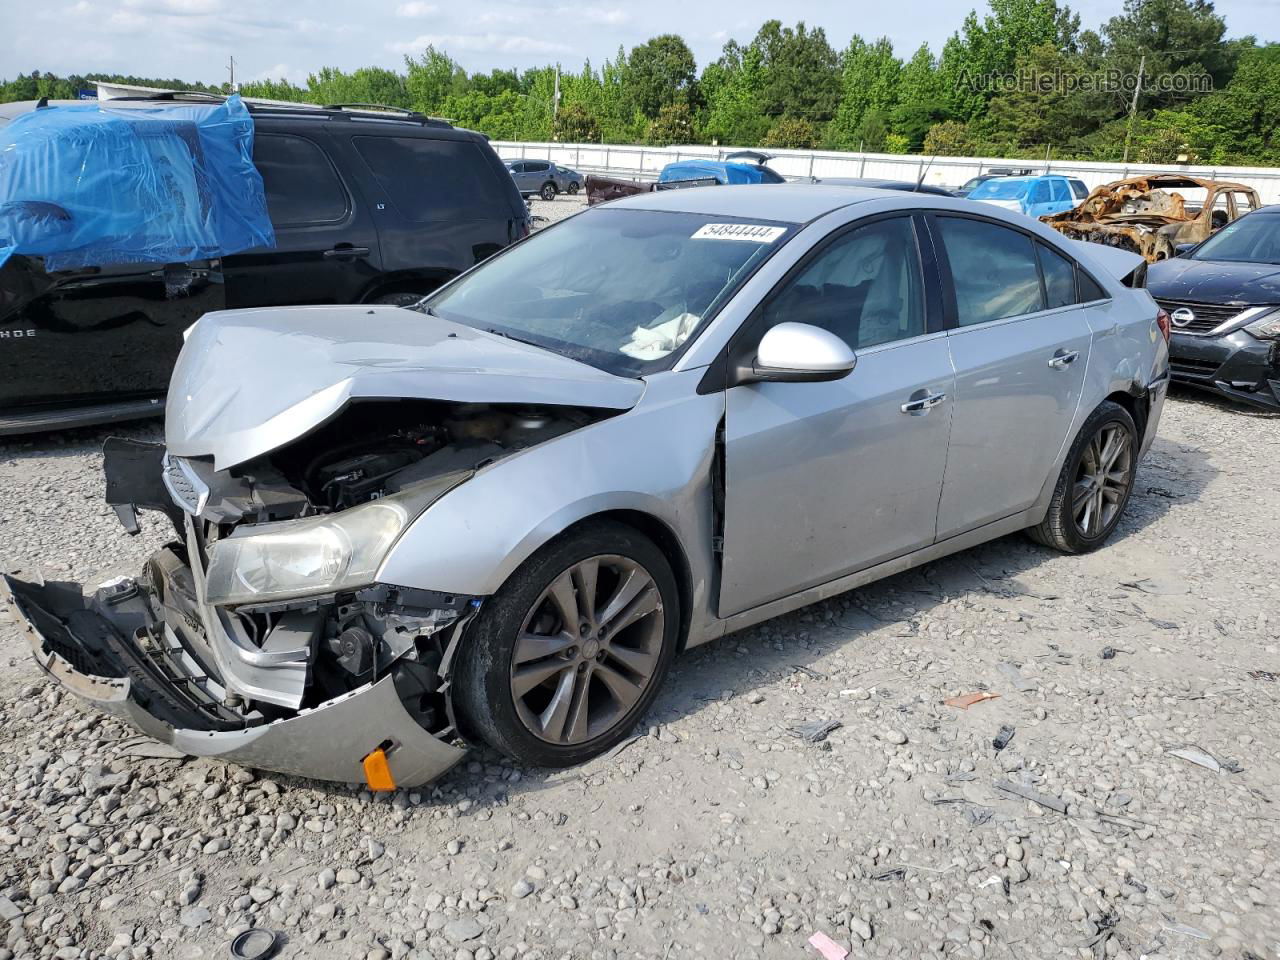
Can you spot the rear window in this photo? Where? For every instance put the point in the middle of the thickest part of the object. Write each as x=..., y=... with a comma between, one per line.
x=301, y=185
x=430, y=180
x=1079, y=189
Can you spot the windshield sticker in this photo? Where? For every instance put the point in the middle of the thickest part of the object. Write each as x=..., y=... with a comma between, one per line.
x=752, y=232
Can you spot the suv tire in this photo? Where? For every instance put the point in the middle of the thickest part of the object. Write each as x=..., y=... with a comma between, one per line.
x=1095, y=483
x=548, y=191
x=570, y=671
x=573, y=188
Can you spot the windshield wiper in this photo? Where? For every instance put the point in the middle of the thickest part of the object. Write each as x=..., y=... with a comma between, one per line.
x=500, y=333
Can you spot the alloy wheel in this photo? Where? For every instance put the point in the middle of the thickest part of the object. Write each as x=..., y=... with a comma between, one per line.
x=587, y=650
x=1102, y=480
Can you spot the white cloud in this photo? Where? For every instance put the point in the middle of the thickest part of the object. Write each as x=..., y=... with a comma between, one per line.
x=178, y=8
x=416, y=8
x=605, y=16
x=479, y=43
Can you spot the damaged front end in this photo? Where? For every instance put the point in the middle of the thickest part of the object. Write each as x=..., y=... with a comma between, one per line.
x=261, y=634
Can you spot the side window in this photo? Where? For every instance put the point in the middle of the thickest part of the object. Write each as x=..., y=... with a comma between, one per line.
x=301, y=185
x=993, y=270
x=1089, y=289
x=1079, y=189
x=1244, y=204
x=518, y=167
x=430, y=180
x=865, y=287
x=1060, y=191
x=537, y=166
x=1059, y=277
x=1040, y=193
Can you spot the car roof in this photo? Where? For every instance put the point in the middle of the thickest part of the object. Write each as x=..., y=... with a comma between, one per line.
x=783, y=202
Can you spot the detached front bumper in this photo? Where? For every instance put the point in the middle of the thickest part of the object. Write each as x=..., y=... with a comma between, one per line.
x=114, y=654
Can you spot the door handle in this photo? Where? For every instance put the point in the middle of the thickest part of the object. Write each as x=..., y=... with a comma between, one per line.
x=1063, y=358
x=345, y=251
x=923, y=405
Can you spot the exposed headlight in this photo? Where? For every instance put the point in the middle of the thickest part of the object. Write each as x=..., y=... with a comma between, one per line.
x=296, y=558
x=1267, y=328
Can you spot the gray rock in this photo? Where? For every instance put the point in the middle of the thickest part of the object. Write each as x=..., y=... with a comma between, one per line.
x=195, y=916
x=462, y=929
x=521, y=889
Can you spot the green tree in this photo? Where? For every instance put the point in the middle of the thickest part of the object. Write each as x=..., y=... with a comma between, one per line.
x=674, y=124
x=799, y=72
x=950, y=138
x=1043, y=110
x=1174, y=37
x=869, y=81
x=792, y=133
x=731, y=84
x=365, y=85
x=661, y=72
x=575, y=124
x=430, y=78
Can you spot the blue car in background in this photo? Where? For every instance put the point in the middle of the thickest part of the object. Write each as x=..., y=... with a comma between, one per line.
x=1034, y=196
x=731, y=169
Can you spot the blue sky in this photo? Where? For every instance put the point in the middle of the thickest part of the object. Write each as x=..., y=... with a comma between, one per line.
x=193, y=38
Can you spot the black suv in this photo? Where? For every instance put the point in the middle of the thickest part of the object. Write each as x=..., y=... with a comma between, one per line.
x=369, y=206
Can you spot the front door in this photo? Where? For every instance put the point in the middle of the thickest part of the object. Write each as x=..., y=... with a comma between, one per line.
x=1020, y=348
x=823, y=479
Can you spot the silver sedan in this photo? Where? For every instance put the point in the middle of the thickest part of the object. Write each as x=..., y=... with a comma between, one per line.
x=497, y=516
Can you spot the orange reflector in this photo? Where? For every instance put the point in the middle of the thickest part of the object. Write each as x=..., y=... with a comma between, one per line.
x=377, y=772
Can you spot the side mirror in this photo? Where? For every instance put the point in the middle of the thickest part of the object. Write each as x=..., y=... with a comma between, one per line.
x=1182, y=249
x=798, y=353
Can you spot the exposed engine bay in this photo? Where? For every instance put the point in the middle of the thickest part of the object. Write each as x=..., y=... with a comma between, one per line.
x=197, y=663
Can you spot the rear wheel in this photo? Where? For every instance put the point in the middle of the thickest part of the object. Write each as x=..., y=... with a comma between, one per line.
x=1094, y=486
x=570, y=652
x=548, y=191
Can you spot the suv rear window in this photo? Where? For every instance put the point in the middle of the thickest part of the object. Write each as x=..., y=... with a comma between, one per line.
x=301, y=185
x=435, y=179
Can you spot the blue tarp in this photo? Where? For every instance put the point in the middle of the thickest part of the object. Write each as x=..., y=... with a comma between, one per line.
x=96, y=184
x=722, y=171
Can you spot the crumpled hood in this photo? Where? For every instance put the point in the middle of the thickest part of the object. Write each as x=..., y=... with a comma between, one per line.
x=1215, y=281
x=249, y=381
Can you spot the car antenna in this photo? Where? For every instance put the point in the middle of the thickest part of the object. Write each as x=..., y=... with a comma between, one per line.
x=920, y=179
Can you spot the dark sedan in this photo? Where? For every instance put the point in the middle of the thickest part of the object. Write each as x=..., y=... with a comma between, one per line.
x=1223, y=297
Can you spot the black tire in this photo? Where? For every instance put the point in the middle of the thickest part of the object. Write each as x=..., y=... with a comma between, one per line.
x=574, y=188
x=1061, y=527
x=482, y=676
x=548, y=191
x=399, y=299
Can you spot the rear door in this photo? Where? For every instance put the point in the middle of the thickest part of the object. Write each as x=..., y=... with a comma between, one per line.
x=326, y=242
x=96, y=334
x=442, y=201
x=1020, y=345
x=1062, y=199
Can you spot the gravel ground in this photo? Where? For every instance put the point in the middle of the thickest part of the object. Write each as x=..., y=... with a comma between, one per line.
x=557, y=209
x=716, y=833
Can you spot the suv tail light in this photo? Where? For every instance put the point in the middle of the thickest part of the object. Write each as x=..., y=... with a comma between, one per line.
x=1164, y=323
x=522, y=229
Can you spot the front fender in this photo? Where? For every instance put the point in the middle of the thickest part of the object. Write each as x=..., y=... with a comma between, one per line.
x=655, y=459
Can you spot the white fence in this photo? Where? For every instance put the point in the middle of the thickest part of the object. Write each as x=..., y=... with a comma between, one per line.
x=646, y=162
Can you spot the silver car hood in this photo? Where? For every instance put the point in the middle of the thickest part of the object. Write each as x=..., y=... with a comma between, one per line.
x=250, y=381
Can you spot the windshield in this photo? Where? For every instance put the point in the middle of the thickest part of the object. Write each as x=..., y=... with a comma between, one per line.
x=621, y=290
x=973, y=182
x=1251, y=239
x=1000, y=190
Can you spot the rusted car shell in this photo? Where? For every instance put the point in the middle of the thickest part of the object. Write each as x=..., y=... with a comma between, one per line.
x=1148, y=216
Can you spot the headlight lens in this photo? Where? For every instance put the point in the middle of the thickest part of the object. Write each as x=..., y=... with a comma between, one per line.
x=1267, y=328
x=337, y=551
x=299, y=557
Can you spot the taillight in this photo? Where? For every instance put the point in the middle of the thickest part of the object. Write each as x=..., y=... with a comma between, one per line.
x=1164, y=323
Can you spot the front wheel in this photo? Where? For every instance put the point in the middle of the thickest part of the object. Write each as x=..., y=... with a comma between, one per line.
x=568, y=654
x=548, y=191
x=1094, y=486
x=574, y=188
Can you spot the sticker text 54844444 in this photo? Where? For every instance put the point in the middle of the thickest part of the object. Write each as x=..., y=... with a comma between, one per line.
x=751, y=232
